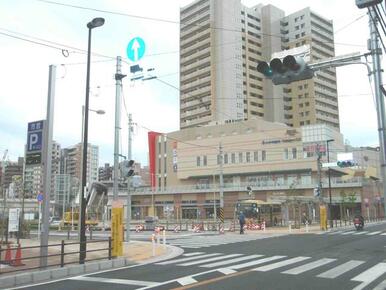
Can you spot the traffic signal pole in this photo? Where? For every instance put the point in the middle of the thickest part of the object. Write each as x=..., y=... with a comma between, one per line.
x=380, y=101
x=117, y=128
x=128, y=205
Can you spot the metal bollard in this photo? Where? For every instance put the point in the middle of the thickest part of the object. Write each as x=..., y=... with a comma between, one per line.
x=164, y=238
x=289, y=226
x=68, y=233
x=62, y=254
x=307, y=227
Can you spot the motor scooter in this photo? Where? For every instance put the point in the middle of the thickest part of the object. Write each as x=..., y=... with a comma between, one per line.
x=358, y=223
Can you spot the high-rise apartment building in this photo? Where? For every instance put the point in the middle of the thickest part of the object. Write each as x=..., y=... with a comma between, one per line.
x=220, y=45
x=71, y=162
x=105, y=173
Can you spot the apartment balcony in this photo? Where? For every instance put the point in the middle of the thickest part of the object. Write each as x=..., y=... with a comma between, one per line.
x=195, y=112
x=188, y=12
x=194, y=36
x=195, y=64
x=268, y=185
x=194, y=27
x=192, y=47
x=194, y=94
x=196, y=83
x=196, y=122
x=195, y=103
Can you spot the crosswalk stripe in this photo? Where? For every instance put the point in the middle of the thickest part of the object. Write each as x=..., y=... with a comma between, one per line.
x=370, y=275
x=280, y=264
x=187, y=259
x=381, y=286
x=322, y=233
x=348, y=233
x=222, y=263
x=186, y=281
x=209, y=260
x=226, y=271
x=256, y=262
x=374, y=233
x=193, y=254
x=341, y=269
x=383, y=234
x=335, y=233
x=115, y=281
x=361, y=233
x=309, y=266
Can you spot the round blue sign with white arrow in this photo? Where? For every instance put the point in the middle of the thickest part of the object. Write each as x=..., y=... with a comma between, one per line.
x=135, y=49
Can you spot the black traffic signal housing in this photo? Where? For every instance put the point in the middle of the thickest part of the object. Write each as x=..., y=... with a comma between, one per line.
x=345, y=163
x=366, y=3
x=128, y=168
x=290, y=69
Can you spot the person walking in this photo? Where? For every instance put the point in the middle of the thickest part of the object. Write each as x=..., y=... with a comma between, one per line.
x=242, y=222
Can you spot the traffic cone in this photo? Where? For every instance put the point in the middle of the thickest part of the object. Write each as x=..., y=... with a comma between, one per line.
x=8, y=255
x=17, y=262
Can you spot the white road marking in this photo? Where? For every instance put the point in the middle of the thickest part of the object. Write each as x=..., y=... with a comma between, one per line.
x=309, y=266
x=231, y=261
x=115, y=281
x=226, y=271
x=361, y=233
x=254, y=263
x=335, y=233
x=281, y=264
x=369, y=275
x=374, y=233
x=193, y=254
x=341, y=269
x=348, y=233
x=383, y=234
x=187, y=259
x=381, y=286
x=186, y=280
x=209, y=260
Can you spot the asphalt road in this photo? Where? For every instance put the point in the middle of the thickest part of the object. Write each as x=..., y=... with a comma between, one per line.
x=337, y=260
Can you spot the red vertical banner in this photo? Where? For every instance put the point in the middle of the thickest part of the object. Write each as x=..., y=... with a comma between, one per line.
x=152, y=140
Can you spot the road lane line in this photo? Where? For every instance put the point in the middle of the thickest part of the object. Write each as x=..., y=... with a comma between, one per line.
x=186, y=280
x=231, y=261
x=309, y=266
x=187, y=259
x=115, y=281
x=341, y=269
x=374, y=233
x=257, y=262
x=369, y=275
x=209, y=260
x=280, y=264
x=383, y=234
x=193, y=254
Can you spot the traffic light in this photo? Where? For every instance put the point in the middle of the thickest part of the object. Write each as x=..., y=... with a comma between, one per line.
x=290, y=69
x=345, y=163
x=367, y=3
x=127, y=168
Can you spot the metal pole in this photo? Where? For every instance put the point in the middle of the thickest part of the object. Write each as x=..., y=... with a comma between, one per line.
x=82, y=202
x=118, y=86
x=221, y=190
x=380, y=101
x=214, y=201
x=47, y=159
x=329, y=185
x=128, y=207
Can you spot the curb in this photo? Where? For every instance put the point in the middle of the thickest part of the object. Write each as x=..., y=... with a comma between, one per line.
x=29, y=278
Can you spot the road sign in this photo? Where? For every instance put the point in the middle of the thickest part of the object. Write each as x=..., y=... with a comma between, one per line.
x=331, y=164
x=33, y=158
x=13, y=219
x=40, y=197
x=136, y=49
x=35, y=136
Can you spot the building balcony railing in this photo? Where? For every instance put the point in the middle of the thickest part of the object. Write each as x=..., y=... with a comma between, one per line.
x=256, y=186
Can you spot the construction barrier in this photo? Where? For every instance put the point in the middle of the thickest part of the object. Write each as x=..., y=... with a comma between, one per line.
x=17, y=261
x=8, y=255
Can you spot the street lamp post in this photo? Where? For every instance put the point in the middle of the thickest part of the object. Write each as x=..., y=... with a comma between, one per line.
x=96, y=22
x=329, y=183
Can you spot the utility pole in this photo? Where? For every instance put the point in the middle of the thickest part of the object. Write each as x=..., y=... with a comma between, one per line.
x=118, y=88
x=221, y=189
x=47, y=159
x=128, y=206
x=380, y=101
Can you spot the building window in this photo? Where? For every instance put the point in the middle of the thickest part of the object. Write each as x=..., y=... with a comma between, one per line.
x=294, y=153
x=241, y=157
x=205, y=161
x=256, y=156
x=198, y=161
x=248, y=157
x=285, y=155
x=218, y=159
x=263, y=156
x=233, y=158
x=226, y=158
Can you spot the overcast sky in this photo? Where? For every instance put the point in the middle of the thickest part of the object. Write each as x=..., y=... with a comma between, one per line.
x=154, y=104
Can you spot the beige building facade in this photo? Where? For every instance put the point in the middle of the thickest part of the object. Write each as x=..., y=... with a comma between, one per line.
x=221, y=43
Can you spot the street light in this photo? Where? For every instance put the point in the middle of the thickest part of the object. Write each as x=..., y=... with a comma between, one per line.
x=96, y=22
x=329, y=182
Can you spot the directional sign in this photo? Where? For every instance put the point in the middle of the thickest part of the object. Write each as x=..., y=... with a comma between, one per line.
x=331, y=164
x=40, y=197
x=136, y=49
x=35, y=136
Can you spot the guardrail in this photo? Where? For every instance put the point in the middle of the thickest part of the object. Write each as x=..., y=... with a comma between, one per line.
x=15, y=259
